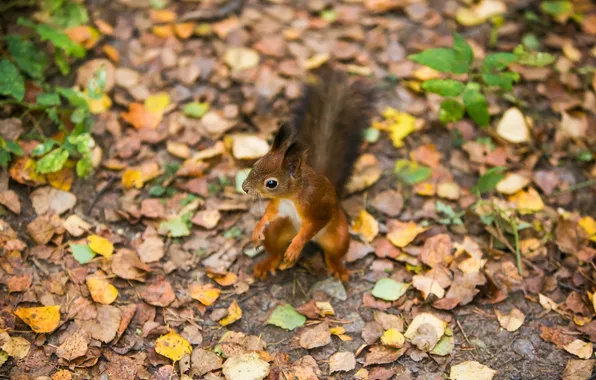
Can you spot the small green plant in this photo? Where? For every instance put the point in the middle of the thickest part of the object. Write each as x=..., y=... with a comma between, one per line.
x=23, y=67
x=469, y=97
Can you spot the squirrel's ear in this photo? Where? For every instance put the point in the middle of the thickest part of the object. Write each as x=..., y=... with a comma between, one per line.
x=283, y=134
x=293, y=158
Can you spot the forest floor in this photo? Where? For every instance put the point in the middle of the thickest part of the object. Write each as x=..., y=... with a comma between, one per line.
x=150, y=257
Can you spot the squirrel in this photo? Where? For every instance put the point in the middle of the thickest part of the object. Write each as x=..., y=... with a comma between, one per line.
x=304, y=173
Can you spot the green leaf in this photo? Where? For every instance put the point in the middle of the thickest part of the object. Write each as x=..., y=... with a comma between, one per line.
x=43, y=148
x=97, y=83
x=60, y=40
x=157, y=191
x=4, y=158
x=451, y=111
x=389, y=290
x=476, y=106
x=74, y=97
x=82, y=253
x=533, y=58
x=27, y=56
x=84, y=167
x=52, y=162
x=488, y=181
x=11, y=81
x=329, y=15
x=61, y=62
x=531, y=41
x=196, y=110
x=503, y=80
x=444, y=87
x=411, y=172
x=498, y=61
x=70, y=15
x=48, y=99
x=557, y=8
x=13, y=147
x=463, y=50
x=444, y=347
x=176, y=227
x=444, y=60
x=286, y=317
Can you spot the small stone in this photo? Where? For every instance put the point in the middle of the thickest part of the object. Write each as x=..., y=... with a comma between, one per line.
x=524, y=347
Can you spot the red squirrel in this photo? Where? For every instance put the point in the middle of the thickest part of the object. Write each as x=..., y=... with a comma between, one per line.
x=310, y=161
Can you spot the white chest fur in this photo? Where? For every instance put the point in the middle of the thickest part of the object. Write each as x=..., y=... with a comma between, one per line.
x=287, y=209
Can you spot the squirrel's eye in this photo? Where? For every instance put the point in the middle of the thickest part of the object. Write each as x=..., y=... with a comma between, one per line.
x=271, y=184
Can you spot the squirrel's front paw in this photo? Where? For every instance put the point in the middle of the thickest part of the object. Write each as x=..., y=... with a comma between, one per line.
x=290, y=258
x=258, y=234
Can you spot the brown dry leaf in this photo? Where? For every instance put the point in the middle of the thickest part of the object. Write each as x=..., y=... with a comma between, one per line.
x=512, y=321
x=427, y=286
x=248, y=147
x=234, y=314
x=581, y=349
x=43, y=228
x=427, y=155
x=547, y=303
x=10, y=200
x=382, y=355
x=15, y=346
x=75, y=225
x=512, y=183
x=19, y=283
x=139, y=116
x=556, y=336
x=241, y=58
x=158, y=293
x=206, y=294
x=48, y=199
x=204, y=361
x=317, y=336
x=40, y=319
x=366, y=225
x=389, y=202
x=471, y=370
x=105, y=327
x=74, y=346
x=449, y=190
x=401, y=234
x=89, y=68
x=437, y=251
x=151, y=249
x=126, y=264
x=342, y=362
x=101, y=290
x=367, y=172
x=178, y=149
x=207, y=219
x=578, y=369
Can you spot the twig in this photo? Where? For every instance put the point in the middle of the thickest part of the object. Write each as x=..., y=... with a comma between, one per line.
x=577, y=186
x=100, y=193
x=462, y=330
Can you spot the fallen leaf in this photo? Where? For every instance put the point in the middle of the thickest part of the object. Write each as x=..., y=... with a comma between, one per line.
x=10, y=200
x=512, y=321
x=393, y=338
x=425, y=319
x=512, y=183
x=15, y=346
x=579, y=348
x=241, y=58
x=547, y=303
x=204, y=361
x=74, y=346
x=578, y=369
x=366, y=225
x=317, y=336
x=527, y=202
x=82, y=253
x=76, y=226
x=159, y=293
x=513, y=126
x=449, y=190
x=101, y=290
x=48, y=199
x=184, y=30
x=286, y=317
x=428, y=286
x=207, y=219
x=382, y=355
x=228, y=279
x=316, y=61
x=401, y=234
x=246, y=366
x=206, y=294
x=389, y=202
x=151, y=249
x=248, y=147
x=172, y=346
x=480, y=12
x=589, y=225
x=389, y=290
x=437, y=251
x=132, y=178
x=444, y=347
x=41, y=319
x=342, y=362
x=471, y=370
x=234, y=314
x=367, y=172
x=101, y=246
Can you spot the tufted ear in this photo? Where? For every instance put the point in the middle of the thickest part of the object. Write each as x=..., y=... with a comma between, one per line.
x=293, y=158
x=283, y=135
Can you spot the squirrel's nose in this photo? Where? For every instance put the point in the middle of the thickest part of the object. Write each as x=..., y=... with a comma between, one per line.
x=245, y=187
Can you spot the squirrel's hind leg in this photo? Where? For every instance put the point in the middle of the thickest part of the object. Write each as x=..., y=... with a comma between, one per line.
x=335, y=243
x=278, y=235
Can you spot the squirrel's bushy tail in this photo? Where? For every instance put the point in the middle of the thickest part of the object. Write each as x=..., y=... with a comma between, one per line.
x=330, y=119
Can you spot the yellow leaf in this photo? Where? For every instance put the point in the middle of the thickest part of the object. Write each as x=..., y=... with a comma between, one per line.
x=157, y=103
x=101, y=290
x=325, y=309
x=234, y=314
x=589, y=224
x=41, y=319
x=228, y=279
x=97, y=106
x=316, y=60
x=101, y=246
x=402, y=126
x=205, y=294
x=84, y=35
x=527, y=202
x=61, y=179
x=62, y=375
x=403, y=234
x=162, y=15
x=337, y=330
x=366, y=225
x=132, y=178
x=139, y=117
x=15, y=346
x=393, y=338
x=184, y=30
x=112, y=53
x=163, y=31
x=172, y=346
x=581, y=349
x=425, y=189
